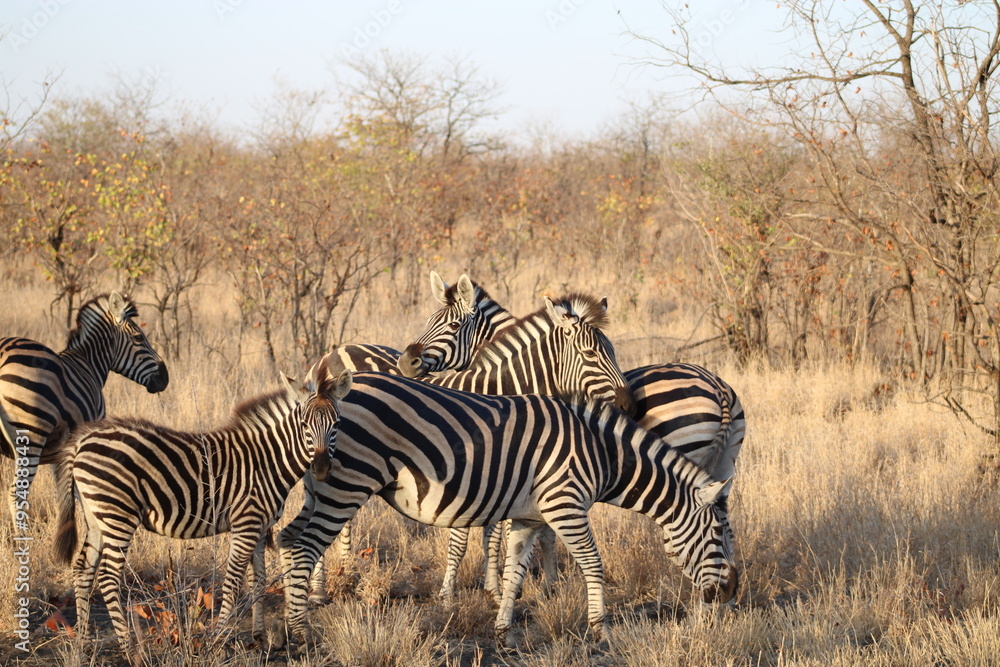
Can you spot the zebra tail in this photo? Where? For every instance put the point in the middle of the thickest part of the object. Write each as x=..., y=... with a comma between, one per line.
x=66, y=538
x=720, y=442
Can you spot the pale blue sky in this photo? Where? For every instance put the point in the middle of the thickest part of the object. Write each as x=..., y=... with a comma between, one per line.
x=563, y=62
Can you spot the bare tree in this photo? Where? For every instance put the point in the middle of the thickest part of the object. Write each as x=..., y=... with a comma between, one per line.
x=893, y=103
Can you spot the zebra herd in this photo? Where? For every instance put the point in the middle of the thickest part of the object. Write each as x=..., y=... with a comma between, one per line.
x=534, y=425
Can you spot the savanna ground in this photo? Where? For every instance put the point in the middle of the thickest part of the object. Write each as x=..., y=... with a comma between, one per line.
x=865, y=520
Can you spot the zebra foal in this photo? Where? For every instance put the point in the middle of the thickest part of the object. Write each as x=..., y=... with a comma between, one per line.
x=233, y=479
x=451, y=458
x=45, y=395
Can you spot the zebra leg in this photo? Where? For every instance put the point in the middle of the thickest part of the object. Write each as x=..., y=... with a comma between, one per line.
x=574, y=531
x=109, y=578
x=256, y=582
x=547, y=543
x=301, y=558
x=84, y=573
x=344, y=543
x=492, y=543
x=519, y=544
x=242, y=547
x=458, y=542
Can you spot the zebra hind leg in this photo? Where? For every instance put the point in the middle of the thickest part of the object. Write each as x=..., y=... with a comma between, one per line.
x=84, y=574
x=550, y=567
x=493, y=536
x=256, y=582
x=458, y=543
x=519, y=545
x=25, y=467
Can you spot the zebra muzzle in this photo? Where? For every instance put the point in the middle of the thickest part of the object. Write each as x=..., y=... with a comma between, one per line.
x=411, y=362
x=160, y=380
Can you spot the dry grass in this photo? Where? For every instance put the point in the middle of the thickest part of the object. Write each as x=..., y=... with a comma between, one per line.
x=866, y=532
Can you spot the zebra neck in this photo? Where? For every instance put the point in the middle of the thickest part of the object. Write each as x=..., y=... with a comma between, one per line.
x=274, y=428
x=644, y=474
x=87, y=361
x=498, y=320
x=514, y=364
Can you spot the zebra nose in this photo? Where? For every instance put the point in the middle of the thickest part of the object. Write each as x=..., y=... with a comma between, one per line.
x=411, y=363
x=624, y=401
x=160, y=380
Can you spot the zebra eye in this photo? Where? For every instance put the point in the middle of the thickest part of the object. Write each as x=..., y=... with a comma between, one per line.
x=454, y=326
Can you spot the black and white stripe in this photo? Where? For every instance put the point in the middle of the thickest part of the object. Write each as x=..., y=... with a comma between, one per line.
x=558, y=350
x=455, y=459
x=469, y=318
x=45, y=395
x=688, y=406
x=234, y=479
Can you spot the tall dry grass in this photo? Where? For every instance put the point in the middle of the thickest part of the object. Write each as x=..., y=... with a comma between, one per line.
x=866, y=532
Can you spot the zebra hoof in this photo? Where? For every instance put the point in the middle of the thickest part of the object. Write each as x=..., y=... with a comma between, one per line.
x=278, y=635
x=319, y=599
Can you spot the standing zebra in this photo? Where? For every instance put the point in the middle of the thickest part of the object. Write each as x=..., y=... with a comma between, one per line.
x=44, y=395
x=451, y=458
x=561, y=350
x=689, y=407
x=130, y=472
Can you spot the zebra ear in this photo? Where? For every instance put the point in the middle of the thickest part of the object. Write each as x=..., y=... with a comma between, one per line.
x=438, y=288
x=466, y=292
x=297, y=391
x=117, y=306
x=343, y=384
x=560, y=314
x=604, y=305
x=708, y=494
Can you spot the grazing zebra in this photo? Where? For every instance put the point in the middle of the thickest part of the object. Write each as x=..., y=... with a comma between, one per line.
x=469, y=318
x=561, y=350
x=44, y=395
x=130, y=472
x=689, y=407
x=451, y=458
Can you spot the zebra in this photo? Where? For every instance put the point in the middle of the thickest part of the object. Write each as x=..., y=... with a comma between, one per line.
x=454, y=333
x=45, y=395
x=450, y=458
x=562, y=350
x=130, y=472
x=689, y=407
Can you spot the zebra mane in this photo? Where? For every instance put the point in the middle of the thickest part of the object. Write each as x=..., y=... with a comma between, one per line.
x=260, y=409
x=585, y=306
x=100, y=304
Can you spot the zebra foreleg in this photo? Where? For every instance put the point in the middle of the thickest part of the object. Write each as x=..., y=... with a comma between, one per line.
x=243, y=546
x=519, y=544
x=458, y=543
x=256, y=585
x=575, y=533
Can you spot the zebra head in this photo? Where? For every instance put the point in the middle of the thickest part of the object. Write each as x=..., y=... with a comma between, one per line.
x=582, y=354
x=106, y=324
x=318, y=399
x=700, y=541
x=454, y=332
